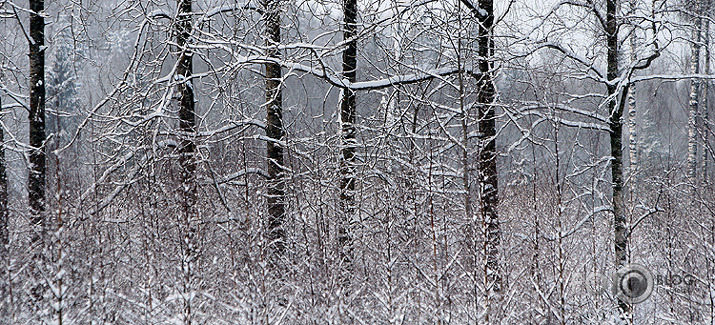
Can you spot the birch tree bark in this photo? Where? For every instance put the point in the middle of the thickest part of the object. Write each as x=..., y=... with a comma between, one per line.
x=632, y=112
x=616, y=132
x=694, y=101
x=704, y=156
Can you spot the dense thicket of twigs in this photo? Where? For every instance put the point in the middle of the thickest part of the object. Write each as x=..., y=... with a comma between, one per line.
x=410, y=242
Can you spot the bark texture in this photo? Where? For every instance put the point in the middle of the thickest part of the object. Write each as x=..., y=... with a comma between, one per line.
x=632, y=113
x=36, y=116
x=348, y=107
x=705, y=155
x=4, y=215
x=616, y=134
x=4, y=231
x=488, y=176
x=694, y=102
x=187, y=151
x=274, y=130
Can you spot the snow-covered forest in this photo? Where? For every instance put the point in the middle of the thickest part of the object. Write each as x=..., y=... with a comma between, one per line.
x=356, y=162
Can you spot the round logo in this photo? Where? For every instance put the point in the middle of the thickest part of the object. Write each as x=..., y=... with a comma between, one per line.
x=595, y=283
x=632, y=283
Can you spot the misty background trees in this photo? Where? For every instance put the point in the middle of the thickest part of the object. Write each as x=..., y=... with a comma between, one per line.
x=329, y=162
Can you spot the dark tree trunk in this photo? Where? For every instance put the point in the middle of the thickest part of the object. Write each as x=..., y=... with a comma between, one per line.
x=616, y=133
x=488, y=176
x=4, y=215
x=4, y=230
x=348, y=107
x=274, y=130
x=36, y=116
x=187, y=150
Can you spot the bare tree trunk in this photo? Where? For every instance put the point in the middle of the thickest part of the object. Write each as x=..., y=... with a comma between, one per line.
x=704, y=107
x=694, y=102
x=4, y=234
x=187, y=152
x=632, y=112
x=488, y=176
x=36, y=116
x=348, y=107
x=274, y=130
x=56, y=237
x=616, y=133
x=4, y=215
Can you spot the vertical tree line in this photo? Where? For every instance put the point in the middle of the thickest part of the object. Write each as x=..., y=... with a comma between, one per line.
x=348, y=108
x=488, y=174
x=615, y=124
x=240, y=180
x=705, y=125
x=274, y=129
x=632, y=107
x=36, y=178
x=5, y=284
x=695, y=93
x=187, y=152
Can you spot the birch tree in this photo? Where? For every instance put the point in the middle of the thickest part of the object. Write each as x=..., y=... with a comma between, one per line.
x=695, y=92
x=705, y=154
x=632, y=107
x=615, y=124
